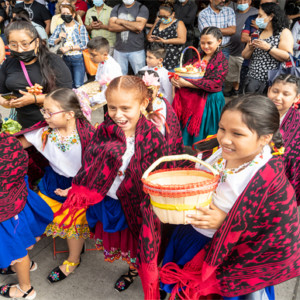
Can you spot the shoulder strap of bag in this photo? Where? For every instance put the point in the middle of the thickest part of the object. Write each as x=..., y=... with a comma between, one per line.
x=25, y=73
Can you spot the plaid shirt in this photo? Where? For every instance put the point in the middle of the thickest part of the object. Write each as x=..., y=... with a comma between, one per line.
x=225, y=18
x=80, y=39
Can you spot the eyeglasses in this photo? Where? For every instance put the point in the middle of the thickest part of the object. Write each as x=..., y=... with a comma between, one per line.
x=24, y=45
x=47, y=114
x=166, y=17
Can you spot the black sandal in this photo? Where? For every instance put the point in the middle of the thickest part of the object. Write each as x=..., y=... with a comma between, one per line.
x=5, y=289
x=124, y=282
x=9, y=271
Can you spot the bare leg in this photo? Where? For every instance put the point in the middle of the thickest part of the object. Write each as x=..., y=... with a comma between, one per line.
x=75, y=248
x=22, y=269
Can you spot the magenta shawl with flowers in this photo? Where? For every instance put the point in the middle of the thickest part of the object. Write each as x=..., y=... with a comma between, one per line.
x=189, y=103
x=258, y=245
x=290, y=130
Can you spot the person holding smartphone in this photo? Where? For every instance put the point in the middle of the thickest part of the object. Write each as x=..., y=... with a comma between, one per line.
x=96, y=22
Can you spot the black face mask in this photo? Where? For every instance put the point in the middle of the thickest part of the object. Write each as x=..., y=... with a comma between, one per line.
x=25, y=56
x=67, y=18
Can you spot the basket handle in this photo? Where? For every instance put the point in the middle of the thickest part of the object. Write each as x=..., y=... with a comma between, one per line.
x=190, y=47
x=179, y=157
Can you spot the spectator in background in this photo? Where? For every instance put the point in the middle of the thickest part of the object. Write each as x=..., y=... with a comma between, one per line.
x=2, y=19
x=99, y=27
x=222, y=17
x=76, y=38
x=38, y=13
x=231, y=4
x=170, y=31
x=2, y=51
x=56, y=19
x=153, y=7
x=296, y=36
x=274, y=43
x=81, y=9
x=19, y=12
x=244, y=10
x=128, y=20
x=185, y=11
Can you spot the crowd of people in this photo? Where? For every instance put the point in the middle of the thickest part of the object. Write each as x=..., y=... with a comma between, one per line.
x=63, y=177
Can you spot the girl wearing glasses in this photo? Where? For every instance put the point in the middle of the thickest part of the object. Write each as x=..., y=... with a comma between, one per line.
x=39, y=66
x=61, y=139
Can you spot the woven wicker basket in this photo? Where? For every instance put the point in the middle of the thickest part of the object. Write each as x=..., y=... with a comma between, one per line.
x=175, y=193
x=189, y=75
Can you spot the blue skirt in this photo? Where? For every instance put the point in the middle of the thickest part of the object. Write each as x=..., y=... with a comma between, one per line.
x=19, y=232
x=52, y=181
x=210, y=119
x=184, y=244
x=110, y=213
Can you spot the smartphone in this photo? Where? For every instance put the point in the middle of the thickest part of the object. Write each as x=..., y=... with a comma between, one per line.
x=8, y=96
x=154, y=37
x=94, y=19
x=254, y=36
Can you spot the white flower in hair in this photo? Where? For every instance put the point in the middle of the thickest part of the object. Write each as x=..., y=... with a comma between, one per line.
x=150, y=79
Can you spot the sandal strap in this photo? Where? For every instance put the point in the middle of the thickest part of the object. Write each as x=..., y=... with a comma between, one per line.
x=132, y=274
x=70, y=264
x=25, y=293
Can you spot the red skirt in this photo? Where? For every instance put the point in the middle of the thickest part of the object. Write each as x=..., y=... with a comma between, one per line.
x=116, y=245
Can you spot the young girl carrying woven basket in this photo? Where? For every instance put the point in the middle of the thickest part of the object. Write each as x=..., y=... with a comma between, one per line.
x=62, y=139
x=239, y=252
x=109, y=184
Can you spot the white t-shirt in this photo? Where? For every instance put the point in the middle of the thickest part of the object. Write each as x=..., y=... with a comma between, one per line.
x=106, y=72
x=165, y=84
x=64, y=159
x=232, y=185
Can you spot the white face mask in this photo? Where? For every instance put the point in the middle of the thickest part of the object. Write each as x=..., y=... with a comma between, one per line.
x=181, y=1
x=128, y=2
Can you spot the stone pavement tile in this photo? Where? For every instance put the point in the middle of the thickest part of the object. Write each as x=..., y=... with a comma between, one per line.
x=94, y=278
x=286, y=290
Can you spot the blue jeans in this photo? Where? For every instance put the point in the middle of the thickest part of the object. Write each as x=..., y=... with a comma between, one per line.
x=76, y=65
x=226, y=52
x=137, y=60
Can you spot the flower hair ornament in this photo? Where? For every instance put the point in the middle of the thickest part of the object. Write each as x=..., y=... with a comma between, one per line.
x=277, y=151
x=84, y=101
x=150, y=80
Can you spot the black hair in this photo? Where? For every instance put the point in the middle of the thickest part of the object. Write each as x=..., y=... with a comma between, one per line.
x=68, y=100
x=99, y=43
x=168, y=6
x=43, y=54
x=260, y=115
x=1, y=122
x=140, y=74
x=214, y=31
x=279, y=20
x=288, y=78
x=157, y=49
x=21, y=13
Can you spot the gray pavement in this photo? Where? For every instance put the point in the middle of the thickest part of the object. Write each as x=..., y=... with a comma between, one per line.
x=94, y=279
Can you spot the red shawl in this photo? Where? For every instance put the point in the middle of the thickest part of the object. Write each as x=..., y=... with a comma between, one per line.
x=37, y=162
x=290, y=130
x=13, y=168
x=190, y=103
x=150, y=234
x=258, y=245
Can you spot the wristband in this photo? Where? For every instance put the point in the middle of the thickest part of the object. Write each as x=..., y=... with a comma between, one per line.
x=35, y=100
x=270, y=49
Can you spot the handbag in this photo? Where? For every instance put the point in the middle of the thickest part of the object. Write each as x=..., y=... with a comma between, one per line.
x=294, y=69
x=55, y=49
x=90, y=67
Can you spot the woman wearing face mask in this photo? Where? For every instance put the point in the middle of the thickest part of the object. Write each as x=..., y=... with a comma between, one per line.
x=30, y=63
x=170, y=31
x=56, y=19
x=96, y=22
x=76, y=39
x=273, y=46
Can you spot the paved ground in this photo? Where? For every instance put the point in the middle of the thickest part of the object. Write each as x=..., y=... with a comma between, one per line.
x=94, y=279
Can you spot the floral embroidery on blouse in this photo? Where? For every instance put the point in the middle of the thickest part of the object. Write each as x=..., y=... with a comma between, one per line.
x=65, y=143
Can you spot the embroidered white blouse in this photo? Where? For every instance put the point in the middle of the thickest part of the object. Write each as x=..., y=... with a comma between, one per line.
x=231, y=185
x=130, y=142
x=64, y=158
